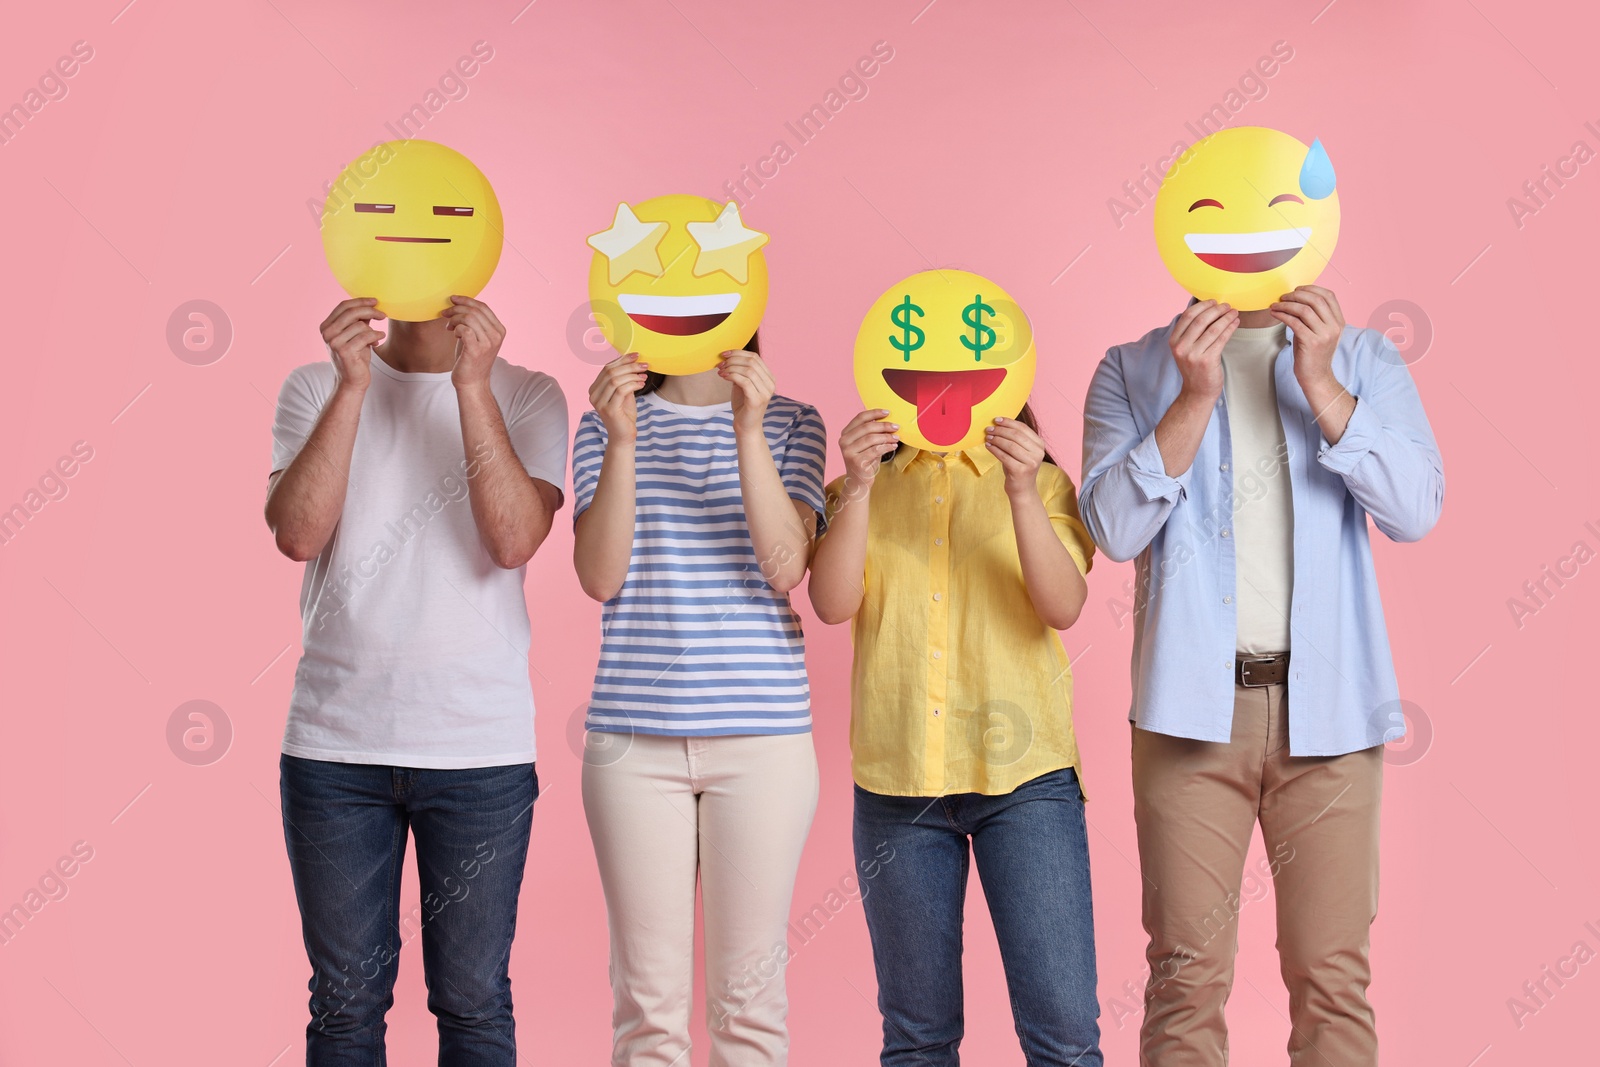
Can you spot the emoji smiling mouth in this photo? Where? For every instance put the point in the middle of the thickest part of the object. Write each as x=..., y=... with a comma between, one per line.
x=416, y=240
x=944, y=398
x=678, y=316
x=1248, y=253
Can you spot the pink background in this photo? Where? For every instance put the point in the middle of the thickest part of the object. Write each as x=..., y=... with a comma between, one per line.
x=178, y=167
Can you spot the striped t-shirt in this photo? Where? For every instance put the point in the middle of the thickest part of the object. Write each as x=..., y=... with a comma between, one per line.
x=696, y=642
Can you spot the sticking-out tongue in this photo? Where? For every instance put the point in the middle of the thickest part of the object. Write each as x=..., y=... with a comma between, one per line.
x=944, y=399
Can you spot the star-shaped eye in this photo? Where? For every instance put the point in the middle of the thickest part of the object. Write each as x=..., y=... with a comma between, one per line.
x=725, y=245
x=630, y=245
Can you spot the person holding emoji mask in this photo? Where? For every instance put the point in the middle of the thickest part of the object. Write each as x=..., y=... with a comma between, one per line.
x=414, y=472
x=953, y=547
x=1237, y=453
x=698, y=491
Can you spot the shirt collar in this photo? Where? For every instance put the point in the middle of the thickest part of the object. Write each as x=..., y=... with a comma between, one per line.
x=980, y=458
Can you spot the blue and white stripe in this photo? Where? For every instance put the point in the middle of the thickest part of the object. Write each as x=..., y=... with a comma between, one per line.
x=697, y=642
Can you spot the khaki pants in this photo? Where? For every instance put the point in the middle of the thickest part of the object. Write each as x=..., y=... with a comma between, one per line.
x=735, y=811
x=1196, y=803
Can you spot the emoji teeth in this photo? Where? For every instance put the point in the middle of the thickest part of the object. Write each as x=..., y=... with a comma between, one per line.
x=678, y=316
x=675, y=306
x=1247, y=253
x=1236, y=244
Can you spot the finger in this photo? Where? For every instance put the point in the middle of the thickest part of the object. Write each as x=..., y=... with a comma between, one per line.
x=476, y=321
x=876, y=442
x=1016, y=427
x=358, y=349
x=1011, y=434
x=630, y=373
x=1313, y=305
x=1301, y=316
x=1007, y=450
x=345, y=305
x=1187, y=315
x=351, y=334
x=479, y=305
x=855, y=432
x=601, y=396
x=1332, y=299
x=1003, y=453
x=870, y=415
x=1204, y=322
x=738, y=376
x=1214, y=351
x=1221, y=327
x=1021, y=449
x=342, y=321
x=1321, y=300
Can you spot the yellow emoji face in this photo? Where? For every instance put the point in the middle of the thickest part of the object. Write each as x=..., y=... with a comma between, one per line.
x=1246, y=215
x=945, y=352
x=412, y=223
x=679, y=280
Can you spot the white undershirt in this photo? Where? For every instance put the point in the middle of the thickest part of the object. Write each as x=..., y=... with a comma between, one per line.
x=1263, y=520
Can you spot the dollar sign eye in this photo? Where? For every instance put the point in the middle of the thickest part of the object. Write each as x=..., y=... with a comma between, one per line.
x=1005, y=335
x=983, y=336
x=911, y=336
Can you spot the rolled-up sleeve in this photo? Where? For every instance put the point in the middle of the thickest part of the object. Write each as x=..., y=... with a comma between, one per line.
x=1387, y=454
x=1127, y=493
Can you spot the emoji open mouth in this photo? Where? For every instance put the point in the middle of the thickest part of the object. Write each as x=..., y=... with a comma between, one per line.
x=1247, y=253
x=416, y=240
x=678, y=316
x=944, y=398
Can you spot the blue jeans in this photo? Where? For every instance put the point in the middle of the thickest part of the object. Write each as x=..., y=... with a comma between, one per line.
x=1032, y=849
x=345, y=825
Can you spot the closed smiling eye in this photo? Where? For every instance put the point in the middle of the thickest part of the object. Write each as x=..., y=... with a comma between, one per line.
x=1284, y=198
x=1208, y=202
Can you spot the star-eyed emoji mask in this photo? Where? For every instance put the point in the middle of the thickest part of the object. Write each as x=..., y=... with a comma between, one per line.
x=1247, y=215
x=412, y=223
x=945, y=352
x=679, y=280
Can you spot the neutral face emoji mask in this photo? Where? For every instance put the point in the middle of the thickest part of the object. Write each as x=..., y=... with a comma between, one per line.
x=1247, y=215
x=679, y=280
x=412, y=223
x=945, y=352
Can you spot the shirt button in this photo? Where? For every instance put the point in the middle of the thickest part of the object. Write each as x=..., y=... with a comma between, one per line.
x=1226, y=532
x=938, y=596
x=937, y=654
x=941, y=464
x=938, y=540
x=936, y=711
x=938, y=500
x=1227, y=600
x=1224, y=466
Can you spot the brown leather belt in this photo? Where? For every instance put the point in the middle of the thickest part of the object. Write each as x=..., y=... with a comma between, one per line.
x=1258, y=670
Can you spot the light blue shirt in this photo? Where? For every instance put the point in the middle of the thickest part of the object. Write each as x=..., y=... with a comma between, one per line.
x=1386, y=466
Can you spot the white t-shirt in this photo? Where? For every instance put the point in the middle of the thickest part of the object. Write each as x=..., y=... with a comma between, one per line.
x=1263, y=519
x=415, y=642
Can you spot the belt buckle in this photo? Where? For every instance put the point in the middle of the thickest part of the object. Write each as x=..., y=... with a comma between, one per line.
x=1246, y=674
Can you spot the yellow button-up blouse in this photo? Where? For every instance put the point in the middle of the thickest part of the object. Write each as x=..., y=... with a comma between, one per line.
x=957, y=686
